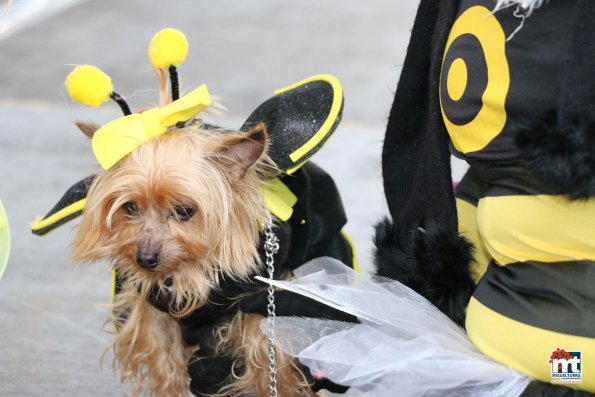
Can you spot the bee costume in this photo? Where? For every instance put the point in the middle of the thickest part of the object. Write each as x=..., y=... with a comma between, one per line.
x=511, y=92
x=510, y=255
x=299, y=118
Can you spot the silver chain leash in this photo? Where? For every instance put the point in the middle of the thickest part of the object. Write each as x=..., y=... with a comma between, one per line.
x=271, y=247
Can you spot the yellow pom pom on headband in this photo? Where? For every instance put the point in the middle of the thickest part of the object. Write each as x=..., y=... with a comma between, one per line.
x=168, y=50
x=115, y=140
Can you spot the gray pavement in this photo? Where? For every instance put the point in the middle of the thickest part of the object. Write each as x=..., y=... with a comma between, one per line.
x=52, y=314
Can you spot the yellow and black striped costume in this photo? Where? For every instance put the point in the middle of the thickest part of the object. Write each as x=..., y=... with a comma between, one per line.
x=512, y=95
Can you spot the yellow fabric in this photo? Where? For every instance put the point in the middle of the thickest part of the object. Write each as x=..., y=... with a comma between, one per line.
x=328, y=123
x=121, y=136
x=354, y=262
x=538, y=228
x=279, y=199
x=168, y=47
x=491, y=119
x=89, y=86
x=41, y=223
x=4, y=240
x=524, y=347
x=467, y=214
x=113, y=285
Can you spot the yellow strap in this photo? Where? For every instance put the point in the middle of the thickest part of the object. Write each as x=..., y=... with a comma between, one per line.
x=279, y=199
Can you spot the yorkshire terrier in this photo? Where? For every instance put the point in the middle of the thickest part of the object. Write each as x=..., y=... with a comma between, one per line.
x=179, y=210
x=177, y=215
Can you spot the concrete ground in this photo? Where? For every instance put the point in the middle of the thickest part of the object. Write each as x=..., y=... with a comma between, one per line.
x=52, y=314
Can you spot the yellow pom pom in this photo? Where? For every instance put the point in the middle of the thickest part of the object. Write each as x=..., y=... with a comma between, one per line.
x=168, y=47
x=88, y=85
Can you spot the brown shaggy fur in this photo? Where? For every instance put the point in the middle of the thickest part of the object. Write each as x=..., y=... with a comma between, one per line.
x=133, y=208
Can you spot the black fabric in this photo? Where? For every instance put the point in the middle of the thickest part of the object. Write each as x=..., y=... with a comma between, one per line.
x=432, y=261
x=466, y=47
x=415, y=155
x=577, y=107
x=470, y=188
x=544, y=146
x=209, y=371
x=551, y=296
x=548, y=141
x=317, y=219
x=560, y=152
x=533, y=57
x=293, y=117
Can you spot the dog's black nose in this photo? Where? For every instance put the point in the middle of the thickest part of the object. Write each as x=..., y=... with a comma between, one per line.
x=148, y=260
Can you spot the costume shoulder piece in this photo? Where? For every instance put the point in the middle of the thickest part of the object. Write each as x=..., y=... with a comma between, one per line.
x=300, y=119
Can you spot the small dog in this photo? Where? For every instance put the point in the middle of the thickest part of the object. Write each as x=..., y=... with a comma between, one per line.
x=176, y=215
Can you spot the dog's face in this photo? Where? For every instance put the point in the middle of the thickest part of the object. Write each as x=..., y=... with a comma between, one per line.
x=184, y=207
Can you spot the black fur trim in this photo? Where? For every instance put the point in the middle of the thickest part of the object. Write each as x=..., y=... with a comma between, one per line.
x=433, y=261
x=562, y=154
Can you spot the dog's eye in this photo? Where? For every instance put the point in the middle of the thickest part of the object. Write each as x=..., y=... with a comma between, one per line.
x=130, y=207
x=184, y=213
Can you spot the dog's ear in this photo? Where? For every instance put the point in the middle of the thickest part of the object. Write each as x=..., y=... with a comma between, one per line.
x=87, y=127
x=242, y=152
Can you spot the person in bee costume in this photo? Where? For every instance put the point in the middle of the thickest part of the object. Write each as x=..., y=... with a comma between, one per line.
x=508, y=87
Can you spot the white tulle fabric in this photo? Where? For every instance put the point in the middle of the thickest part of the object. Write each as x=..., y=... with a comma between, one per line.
x=403, y=347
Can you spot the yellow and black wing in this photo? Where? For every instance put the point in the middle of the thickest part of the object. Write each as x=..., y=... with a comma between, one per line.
x=69, y=207
x=300, y=119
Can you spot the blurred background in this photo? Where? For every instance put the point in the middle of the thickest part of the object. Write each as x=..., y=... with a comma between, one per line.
x=52, y=314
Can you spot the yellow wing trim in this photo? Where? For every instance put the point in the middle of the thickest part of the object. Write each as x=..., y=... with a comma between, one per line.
x=355, y=262
x=41, y=223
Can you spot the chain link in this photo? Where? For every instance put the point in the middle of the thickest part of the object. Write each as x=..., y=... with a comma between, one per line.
x=271, y=247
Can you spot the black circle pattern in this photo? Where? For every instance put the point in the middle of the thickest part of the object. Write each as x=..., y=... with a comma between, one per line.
x=464, y=110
